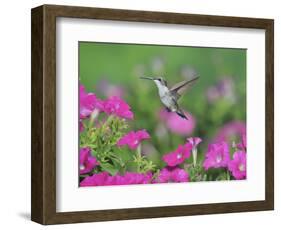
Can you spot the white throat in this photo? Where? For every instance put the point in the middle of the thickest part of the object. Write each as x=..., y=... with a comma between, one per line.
x=162, y=89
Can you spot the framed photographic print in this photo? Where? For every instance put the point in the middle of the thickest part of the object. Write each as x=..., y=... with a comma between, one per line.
x=140, y=114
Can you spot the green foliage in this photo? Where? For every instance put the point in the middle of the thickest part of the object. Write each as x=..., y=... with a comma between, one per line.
x=102, y=138
x=196, y=173
x=217, y=174
x=142, y=164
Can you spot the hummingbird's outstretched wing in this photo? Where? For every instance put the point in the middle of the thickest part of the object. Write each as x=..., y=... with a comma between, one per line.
x=180, y=88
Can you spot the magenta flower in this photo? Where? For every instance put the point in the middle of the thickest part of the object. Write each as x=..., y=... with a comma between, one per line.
x=177, y=124
x=164, y=176
x=237, y=166
x=194, y=141
x=114, y=180
x=103, y=178
x=243, y=144
x=115, y=105
x=133, y=139
x=130, y=178
x=88, y=102
x=81, y=126
x=179, y=175
x=95, y=180
x=87, y=161
x=172, y=175
x=231, y=131
x=217, y=156
x=178, y=156
x=135, y=178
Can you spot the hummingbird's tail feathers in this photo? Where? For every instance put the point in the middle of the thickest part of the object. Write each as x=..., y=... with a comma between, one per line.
x=182, y=115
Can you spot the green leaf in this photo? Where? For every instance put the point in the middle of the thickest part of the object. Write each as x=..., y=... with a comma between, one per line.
x=124, y=154
x=109, y=168
x=132, y=166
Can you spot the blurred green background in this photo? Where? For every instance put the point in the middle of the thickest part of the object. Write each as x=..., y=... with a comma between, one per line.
x=217, y=102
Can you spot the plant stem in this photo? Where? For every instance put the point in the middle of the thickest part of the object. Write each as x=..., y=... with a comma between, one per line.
x=107, y=122
x=138, y=157
x=93, y=117
x=194, y=156
x=227, y=175
x=139, y=151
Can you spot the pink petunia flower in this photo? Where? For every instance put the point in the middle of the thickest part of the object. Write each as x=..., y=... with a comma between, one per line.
x=115, y=105
x=237, y=166
x=103, y=179
x=243, y=144
x=88, y=102
x=177, y=124
x=81, y=126
x=230, y=131
x=194, y=141
x=95, y=180
x=217, y=156
x=178, y=156
x=137, y=178
x=164, y=176
x=172, y=175
x=87, y=161
x=133, y=139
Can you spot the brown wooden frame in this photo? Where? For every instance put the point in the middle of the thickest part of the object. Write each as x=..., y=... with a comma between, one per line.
x=43, y=188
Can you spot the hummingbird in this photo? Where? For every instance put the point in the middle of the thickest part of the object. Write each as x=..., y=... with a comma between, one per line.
x=170, y=96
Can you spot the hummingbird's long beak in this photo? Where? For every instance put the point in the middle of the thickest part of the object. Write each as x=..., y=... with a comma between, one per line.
x=147, y=78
